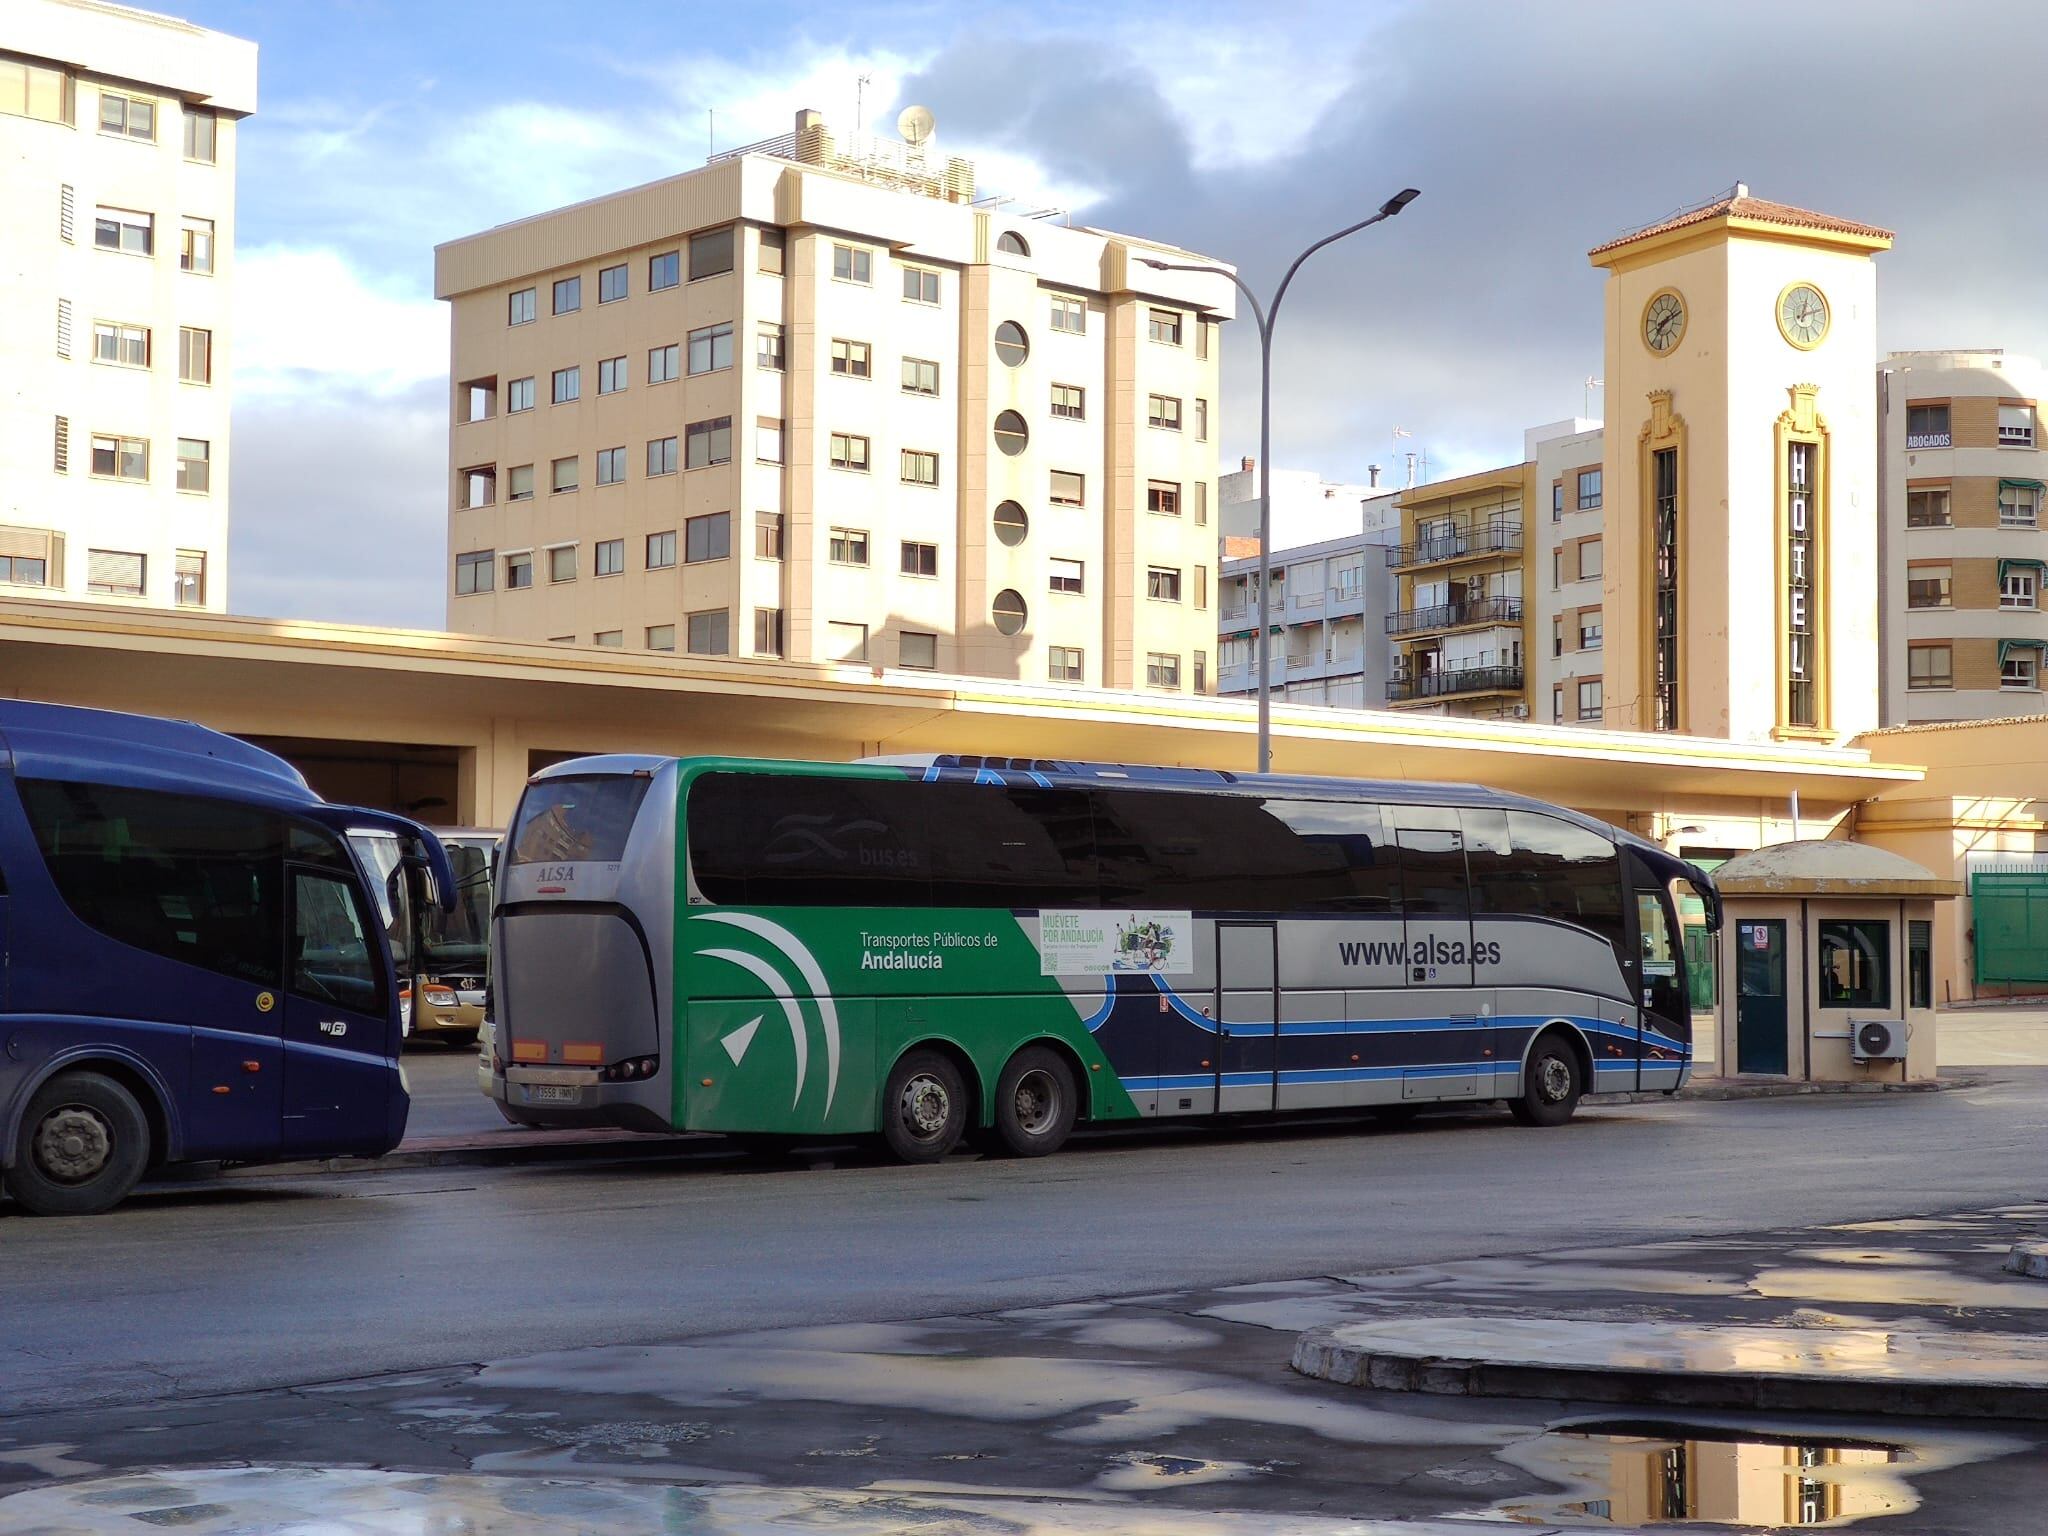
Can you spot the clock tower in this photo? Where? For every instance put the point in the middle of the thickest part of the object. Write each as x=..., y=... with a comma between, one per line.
x=1740, y=473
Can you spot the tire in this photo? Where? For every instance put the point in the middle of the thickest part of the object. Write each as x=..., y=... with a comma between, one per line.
x=1036, y=1102
x=459, y=1039
x=82, y=1146
x=924, y=1107
x=1551, y=1084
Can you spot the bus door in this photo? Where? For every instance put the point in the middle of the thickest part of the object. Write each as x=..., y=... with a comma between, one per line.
x=337, y=1076
x=1665, y=1016
x=1443, y=1056
x=1247, y=1016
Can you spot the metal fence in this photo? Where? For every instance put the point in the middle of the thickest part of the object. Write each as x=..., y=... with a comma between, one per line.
x=2009, y=916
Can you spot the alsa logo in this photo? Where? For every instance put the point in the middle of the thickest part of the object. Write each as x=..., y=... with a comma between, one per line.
x=556, y=874
x=1430, y=949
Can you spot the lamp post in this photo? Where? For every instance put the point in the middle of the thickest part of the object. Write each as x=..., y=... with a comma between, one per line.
x=1265, y=318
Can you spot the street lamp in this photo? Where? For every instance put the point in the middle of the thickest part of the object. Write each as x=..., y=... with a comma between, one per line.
x=1265, y=318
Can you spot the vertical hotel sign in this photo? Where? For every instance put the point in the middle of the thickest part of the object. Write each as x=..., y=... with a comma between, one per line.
x=1802, y=439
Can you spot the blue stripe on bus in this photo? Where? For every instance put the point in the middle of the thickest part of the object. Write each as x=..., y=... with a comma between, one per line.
x=1304, y=1075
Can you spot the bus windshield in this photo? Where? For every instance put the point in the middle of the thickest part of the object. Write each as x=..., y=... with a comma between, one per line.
x=576, y=820
x=456, y=940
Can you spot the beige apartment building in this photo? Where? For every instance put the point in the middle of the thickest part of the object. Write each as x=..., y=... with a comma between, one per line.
x=117, y=222
x=812, y=402
x=1962, y=553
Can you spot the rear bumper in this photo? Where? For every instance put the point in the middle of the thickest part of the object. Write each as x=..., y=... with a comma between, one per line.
x=640, y=1106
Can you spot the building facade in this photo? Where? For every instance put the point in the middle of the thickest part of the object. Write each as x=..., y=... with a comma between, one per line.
x=1328, y=615
x=1567, y=603
x=811, y=402
x=117, y=181
x=1307, y=509
x=1961, y=545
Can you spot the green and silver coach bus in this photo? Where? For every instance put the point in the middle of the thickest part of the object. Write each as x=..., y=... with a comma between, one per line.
x=948, y=947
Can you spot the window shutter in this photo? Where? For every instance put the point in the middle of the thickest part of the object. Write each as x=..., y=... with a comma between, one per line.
x=63, y=327
x=63, y=445
x=67, y=214
x=29, y=543
x=113, y=570
x=56, y=573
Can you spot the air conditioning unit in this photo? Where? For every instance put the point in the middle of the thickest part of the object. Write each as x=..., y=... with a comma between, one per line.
x=1878, y=1040
x=1518, y=711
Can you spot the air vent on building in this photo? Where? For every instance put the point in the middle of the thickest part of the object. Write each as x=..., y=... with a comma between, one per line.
x=63, y=327
x=63, y=445
x=67, y=214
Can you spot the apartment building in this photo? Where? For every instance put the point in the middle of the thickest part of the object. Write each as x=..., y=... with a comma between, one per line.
x=812, y=401
x=1329, y=609
x=1307, y=509
x=117, y=181
x=1566, y=613
x=1961, y=470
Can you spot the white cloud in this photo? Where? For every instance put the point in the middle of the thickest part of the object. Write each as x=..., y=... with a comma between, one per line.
x=308, y=322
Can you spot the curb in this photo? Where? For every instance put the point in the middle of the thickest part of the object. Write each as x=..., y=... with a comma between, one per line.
x=2028, y=1258
x=1723, y=1090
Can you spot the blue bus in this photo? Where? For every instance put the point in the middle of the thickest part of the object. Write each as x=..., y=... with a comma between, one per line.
x=191, y=967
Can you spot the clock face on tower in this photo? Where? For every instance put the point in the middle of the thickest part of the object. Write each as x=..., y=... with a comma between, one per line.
x=1663, y=321
x=1803, y=316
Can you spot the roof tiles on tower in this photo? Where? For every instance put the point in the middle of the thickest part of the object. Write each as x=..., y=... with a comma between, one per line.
x=1743, y=206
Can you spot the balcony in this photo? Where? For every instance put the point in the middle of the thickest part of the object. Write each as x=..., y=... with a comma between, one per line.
x=1449, y=684
x=1478, y=610
x=1482, y=539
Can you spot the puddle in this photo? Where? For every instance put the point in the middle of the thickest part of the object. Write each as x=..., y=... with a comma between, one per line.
x=1134, y=1472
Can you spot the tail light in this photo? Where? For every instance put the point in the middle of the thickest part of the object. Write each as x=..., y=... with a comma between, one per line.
x=633, y=1069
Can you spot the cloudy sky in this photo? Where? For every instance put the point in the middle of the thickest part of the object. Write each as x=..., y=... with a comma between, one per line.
x=1244, y=131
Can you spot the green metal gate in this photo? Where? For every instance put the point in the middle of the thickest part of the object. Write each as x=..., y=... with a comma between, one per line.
x=2009, y=913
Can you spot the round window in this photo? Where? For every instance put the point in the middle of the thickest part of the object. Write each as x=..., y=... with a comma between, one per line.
x=1011, y=524
x=1012, y=345
x=1010, y=243
x=1011, y=433
x=1010, y=612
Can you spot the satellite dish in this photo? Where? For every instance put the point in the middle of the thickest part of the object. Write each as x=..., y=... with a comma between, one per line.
x=915, y=124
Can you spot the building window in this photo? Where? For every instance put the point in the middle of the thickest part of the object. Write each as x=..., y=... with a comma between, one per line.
x=707, y=443
x=474, y=572
x=610, y=556
x=568, y=385
x=2019, y=504
x=768, y=440
x=846, y=641
x=1201, y=671
x=920, y=559
x=767, y=631
x=1589, y=489
x=1919, y=965
x=1589, y=559
x=118, y=229
x=711, y=348
x=2016, y=589
x=1162, y=583
x=518, y=571
x=1557, y=635
x=1069, y=315
x=1927, y=508
x=195, y=355
x=661, y=637
x=611, y=375
x=1068, y=488
x=710, y=632
x=920, y=468
x=768, y=347
x=125, y=346
x=661, y=456
x=195, y=465
x=1202, y=505
x=707, y=538
x=1927, y=426
x=1010, y=243
x=768, y=535
x=849, y=452
x=1930, y=666
x=1162, y=670
x=121, y=458
x=917, y=650
x=1855, y=963
x=1011, y=525
x=519, y=481
x=2018, y=669
x=519, y=395
x=2015, y=426
x=195, y=245
x=1009, y=611
x=920, y=285
x=519, y=307
x=772, y=258
x=611, y=466
x=1201, y=420
x=116, y=573
x=1162, y=411
x=852, y=359
x=35, y=90
x=562, y=563
x=611, y=284
x=1163, y=325
x=1557, y=501
x=849, y=546
x=711, y=253
x=568, y=295
x=1590, y=705
x=1067, y=575
x=664, y=271
x=661, y=552
x=1070, y=402
x=1063, y=663
x=479, y=486
x=1204, y=329
x=1012, y=435
x=1663, y=678
x=1202, y=586
x=479, y=399
x=1590, y=630
x=1012, y=345
x=128, y=117
x=663, y=363
x=1163, y=497
x=920, y=376
x=566, y=475
x=851, y=264
x=1928, y=586
x=1557, y=705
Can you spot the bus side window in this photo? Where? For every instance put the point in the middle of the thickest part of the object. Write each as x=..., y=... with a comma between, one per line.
x=1164, y=848
x=331, y=958
x=1350, y=836
x=1573, y=875
x=786, y=840
x=1009, y=846
x=1432, y=847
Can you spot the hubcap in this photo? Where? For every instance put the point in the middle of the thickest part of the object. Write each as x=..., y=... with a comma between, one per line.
x=926, y=1106
x=1553, y=1079
x=1037, y=1102
x=73, y=1144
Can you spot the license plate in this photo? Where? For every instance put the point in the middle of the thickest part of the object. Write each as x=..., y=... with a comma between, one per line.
x=550, y=1093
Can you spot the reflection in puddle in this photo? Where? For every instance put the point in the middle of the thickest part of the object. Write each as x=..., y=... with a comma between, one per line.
x=1634, y=1473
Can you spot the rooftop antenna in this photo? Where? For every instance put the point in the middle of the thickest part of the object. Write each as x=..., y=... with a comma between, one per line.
x=1591, y=385
x=860, y=86
x=915, y=124
x=710, y=132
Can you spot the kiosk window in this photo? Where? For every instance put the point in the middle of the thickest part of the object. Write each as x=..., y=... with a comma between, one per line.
x=1855, y=963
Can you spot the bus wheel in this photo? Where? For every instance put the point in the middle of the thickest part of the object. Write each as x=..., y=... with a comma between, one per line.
x=1551, y=1084
x=84, y=1143
x=1035, y=1102
x=924, y=1108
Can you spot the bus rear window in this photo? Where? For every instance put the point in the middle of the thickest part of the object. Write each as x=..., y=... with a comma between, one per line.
x=577, y=820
